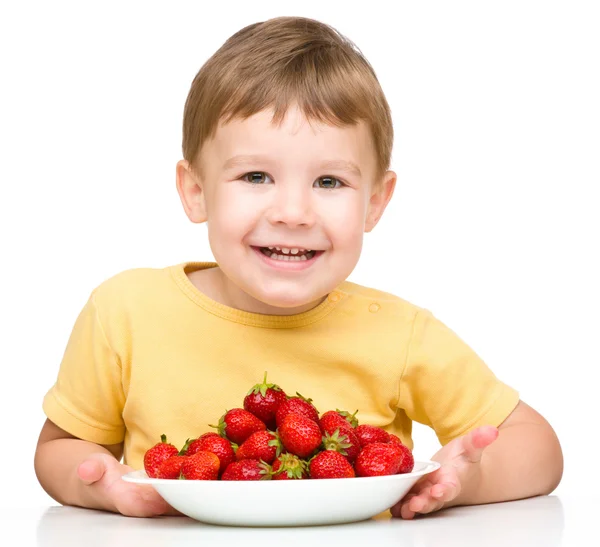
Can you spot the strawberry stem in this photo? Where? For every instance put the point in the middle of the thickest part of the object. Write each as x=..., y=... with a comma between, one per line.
x=351, y=418
x=221, y=428
x=262, y=388
x=336, y=442
x=185, y=447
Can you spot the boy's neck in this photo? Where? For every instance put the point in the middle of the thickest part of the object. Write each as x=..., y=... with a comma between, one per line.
x=214, y=284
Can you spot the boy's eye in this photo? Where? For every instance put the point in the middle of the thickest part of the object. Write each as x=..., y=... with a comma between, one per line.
x=255, y=177
x=259, y=177
x=329, y=183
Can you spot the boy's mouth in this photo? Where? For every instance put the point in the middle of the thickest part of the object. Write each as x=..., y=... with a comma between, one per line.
x=289, y=254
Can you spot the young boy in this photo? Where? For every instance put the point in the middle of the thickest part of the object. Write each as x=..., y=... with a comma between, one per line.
x=287, y=138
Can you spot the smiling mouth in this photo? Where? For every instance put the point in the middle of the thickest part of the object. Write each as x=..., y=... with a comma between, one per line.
x=284, y=253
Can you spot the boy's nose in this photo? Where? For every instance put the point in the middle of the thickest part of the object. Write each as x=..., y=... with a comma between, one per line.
x=291, y=206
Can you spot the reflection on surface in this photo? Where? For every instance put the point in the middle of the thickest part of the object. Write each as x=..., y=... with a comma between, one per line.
x=533, y=522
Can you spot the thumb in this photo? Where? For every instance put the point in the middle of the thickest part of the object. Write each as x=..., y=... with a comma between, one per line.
x=476, y=441
x=91, y=470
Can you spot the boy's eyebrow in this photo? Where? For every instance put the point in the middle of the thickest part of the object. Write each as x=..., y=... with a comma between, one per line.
x=243, y=160
x=342, y=165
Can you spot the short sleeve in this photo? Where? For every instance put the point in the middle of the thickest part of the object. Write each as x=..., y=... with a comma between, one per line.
x=87, y=398
x=445, y=384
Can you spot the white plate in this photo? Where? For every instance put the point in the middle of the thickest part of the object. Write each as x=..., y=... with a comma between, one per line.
x=288, y=502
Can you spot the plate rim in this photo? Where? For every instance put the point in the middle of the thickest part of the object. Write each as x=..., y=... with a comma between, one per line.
x=139, y=476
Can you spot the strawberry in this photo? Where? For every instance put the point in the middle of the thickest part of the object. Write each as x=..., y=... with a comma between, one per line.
x=345, y=442
x=201, y=466
x=238, y=424
x=378, y=459
x=298, y=405
x=263, y=400
x=261, y=445
x=330, y=464
x=371, y=434
x=171, y=468
x=211, y=442
x=395, y=439
x=334, y=419
x=407, y=461
x=247, y=470
x=157, y=454
x=300, y=435
x=194, y=445
x=289, y=467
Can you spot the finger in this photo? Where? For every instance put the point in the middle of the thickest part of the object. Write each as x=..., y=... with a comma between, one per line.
x=396, y=509
x=424, y=504
x=91, y=471
x=402, y=509
x=445, y=492
x=406, y=513
x=141, y=502
x=154, y=503
x=476, y=441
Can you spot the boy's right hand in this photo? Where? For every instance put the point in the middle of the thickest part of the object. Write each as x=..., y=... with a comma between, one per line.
x=101, y=474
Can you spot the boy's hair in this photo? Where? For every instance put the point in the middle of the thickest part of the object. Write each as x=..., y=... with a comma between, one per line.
x=285, y=61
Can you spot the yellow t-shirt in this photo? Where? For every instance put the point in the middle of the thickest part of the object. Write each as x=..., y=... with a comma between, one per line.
x=150, y=354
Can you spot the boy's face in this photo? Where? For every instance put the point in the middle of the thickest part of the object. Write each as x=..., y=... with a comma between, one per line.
x=298, y=187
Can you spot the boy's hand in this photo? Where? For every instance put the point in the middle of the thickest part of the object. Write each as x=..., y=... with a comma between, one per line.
x=459, y=470
x=101, y=474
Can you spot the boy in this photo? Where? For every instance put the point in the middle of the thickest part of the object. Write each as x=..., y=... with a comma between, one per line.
x=287, y=139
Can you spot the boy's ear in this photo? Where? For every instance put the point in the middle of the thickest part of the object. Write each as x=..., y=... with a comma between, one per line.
x=379, y=199
x=191, y=193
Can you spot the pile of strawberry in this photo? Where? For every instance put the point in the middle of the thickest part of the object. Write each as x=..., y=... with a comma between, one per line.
x=278, y=437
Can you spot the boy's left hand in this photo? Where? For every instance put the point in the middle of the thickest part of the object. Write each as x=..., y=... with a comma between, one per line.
x=460, y=468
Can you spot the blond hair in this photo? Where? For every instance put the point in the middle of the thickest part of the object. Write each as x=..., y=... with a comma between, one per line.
x=285, y=61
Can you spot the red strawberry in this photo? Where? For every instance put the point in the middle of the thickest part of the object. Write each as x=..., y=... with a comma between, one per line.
x=157, y=454
x=171, y=468
x=289, y=467
x=378, y=459
x=193, y=445
x=202, y=466
x=300, y=435
x=334, y=419
x=371, y=434
x=263, y=400
x=407, y=462
x=211, y=442
x=345, y=442
x=238, y=424
x=247, y=470
x=330, y=464
x=298, y=405
x=395, y=439
x=261, y=445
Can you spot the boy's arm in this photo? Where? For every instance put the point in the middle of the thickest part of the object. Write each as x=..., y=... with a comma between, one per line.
x=525, y=460
x=57, y=458
x=77, y=472
x=519, y=459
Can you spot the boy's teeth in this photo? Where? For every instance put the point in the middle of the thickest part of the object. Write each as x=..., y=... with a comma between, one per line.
x=276, y=256
x=285, y=250
x=285, y=253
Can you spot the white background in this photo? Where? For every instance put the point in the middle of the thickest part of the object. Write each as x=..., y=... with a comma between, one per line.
x=494, y=225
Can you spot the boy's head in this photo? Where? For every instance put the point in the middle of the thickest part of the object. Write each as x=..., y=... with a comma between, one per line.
x=287, y=139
